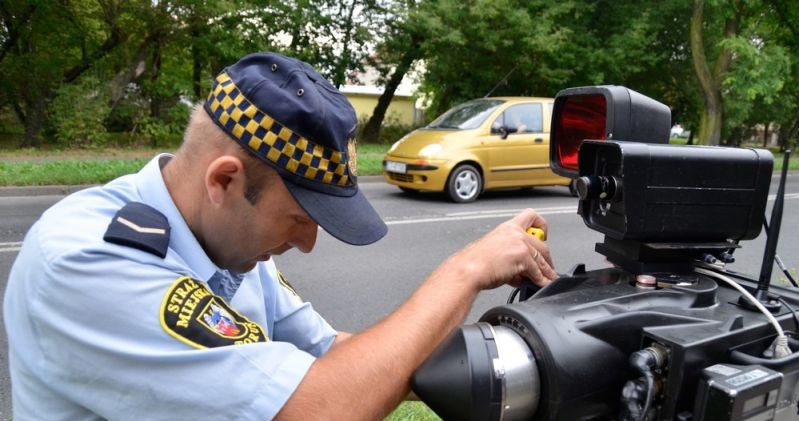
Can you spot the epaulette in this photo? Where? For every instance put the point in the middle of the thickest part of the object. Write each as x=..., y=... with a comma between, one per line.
x=141, y=227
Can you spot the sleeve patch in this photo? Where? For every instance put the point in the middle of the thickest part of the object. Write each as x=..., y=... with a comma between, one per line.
x=191, y=313
x=141, y=227
x=285, y=284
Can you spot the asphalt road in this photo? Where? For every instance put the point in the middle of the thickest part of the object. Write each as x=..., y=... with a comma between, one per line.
x=354, y=287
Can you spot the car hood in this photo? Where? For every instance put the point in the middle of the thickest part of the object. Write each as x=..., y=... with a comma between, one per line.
x=410, y=145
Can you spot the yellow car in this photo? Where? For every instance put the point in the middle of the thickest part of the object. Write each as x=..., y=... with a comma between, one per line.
x=486, y=143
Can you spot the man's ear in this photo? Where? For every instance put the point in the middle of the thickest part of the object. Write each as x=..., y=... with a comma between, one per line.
x=224, y=176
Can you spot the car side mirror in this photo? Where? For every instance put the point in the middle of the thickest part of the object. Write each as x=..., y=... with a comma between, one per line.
x=503, y=131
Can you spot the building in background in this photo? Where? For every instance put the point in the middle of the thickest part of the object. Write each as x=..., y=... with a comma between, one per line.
x=363, y=89
x=403, y=109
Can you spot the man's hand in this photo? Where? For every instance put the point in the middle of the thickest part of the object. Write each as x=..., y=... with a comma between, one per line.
x=363, y=377
x=507, y=255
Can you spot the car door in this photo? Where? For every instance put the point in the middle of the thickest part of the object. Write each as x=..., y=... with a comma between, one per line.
x=522, y=157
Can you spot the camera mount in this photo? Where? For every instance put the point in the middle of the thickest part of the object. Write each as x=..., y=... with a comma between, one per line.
x=662, y=335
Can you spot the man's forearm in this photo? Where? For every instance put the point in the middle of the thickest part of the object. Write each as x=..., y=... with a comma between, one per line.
x=365, y=376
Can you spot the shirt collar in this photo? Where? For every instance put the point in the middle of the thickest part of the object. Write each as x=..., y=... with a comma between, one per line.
x=153, y=191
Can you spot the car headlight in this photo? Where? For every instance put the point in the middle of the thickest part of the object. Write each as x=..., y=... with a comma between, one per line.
x=431, y=150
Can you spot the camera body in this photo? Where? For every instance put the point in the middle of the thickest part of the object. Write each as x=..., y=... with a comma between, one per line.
x=658, y=336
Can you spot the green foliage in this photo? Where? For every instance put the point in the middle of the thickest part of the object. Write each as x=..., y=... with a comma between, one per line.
x=144, y=57
x=391, y=130
x=756, y=80
x=78, y=113
x=16, y=173
x=476, y=43
x=167, y=129
x=370, y=158
x=412, y=411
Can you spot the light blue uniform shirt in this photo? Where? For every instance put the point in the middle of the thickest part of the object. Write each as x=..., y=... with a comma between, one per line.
x=87, y=339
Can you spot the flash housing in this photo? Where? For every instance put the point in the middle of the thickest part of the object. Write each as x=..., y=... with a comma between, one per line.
x=603, y=113
x=670, y=193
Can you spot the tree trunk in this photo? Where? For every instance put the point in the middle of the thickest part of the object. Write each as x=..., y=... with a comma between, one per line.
x=155, y=71
x=710, y=120
x=710, y=83
x=196, y=32
x=196, y=69
x=35, y=116
x=134, y=71
x=371, y=132
x=340, y=76
x=786, y=133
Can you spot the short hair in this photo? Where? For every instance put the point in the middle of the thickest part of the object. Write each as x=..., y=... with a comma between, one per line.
x=203, y=134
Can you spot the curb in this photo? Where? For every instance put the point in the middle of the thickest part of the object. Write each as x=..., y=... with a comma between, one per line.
x=25, y=191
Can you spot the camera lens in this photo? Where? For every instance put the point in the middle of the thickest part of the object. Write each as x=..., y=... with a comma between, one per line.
x=481, y=372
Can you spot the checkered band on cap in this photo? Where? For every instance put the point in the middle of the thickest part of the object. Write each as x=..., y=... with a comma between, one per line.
x=269, y=139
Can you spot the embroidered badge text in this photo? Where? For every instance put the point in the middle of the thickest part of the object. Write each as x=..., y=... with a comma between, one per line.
x=195, y=316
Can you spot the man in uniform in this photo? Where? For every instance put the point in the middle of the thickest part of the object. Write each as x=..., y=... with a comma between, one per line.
x=155, y=296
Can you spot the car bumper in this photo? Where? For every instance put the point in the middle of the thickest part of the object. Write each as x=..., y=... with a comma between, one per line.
x=418, y=175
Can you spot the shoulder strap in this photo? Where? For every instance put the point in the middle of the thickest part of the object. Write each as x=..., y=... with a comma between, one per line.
x=139, y=226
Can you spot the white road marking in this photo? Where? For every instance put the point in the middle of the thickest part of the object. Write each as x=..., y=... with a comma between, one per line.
x=12, y=247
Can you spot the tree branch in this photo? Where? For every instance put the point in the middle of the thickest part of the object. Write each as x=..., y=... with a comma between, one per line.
x=115, y=38
x=12, y=29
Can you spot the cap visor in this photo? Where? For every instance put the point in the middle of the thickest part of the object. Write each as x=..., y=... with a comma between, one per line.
x=351, y=219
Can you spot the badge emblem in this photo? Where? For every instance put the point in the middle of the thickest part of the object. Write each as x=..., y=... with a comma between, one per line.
x=191, y=313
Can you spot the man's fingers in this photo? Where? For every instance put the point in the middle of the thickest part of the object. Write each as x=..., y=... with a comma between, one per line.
x=543, y=271
x=530, y=218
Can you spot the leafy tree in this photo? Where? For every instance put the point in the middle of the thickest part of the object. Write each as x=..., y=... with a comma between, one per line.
x=548, y=46
x=784, y=112
x=471, y=45
x=738, y=61
x=36, y=61
x=394, y=57
x=724, y=66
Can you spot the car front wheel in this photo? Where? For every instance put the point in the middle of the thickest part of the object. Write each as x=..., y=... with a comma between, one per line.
x=465, y=184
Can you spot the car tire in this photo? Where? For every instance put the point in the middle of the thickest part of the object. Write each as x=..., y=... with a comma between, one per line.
x=465, y=184
x=573, y=188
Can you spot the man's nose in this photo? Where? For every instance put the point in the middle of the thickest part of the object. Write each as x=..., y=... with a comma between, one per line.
x=305, y=237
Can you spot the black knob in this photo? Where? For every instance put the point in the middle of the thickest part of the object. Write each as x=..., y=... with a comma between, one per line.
x=593, y=187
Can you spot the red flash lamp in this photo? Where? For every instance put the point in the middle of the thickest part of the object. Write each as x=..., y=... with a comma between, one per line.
x=602, y=113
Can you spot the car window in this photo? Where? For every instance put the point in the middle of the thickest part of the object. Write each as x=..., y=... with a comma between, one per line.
x=522, y=118
x=468, y=115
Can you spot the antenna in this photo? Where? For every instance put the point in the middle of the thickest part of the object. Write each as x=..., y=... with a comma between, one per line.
x=761, y=292
x=502, y=80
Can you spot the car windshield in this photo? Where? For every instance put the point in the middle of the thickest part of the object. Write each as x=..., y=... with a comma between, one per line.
x=468, y=115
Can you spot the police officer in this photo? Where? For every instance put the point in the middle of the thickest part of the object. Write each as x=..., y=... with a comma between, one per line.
x=155, y=296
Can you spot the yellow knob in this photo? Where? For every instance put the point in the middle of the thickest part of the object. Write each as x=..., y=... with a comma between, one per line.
x=538, y=232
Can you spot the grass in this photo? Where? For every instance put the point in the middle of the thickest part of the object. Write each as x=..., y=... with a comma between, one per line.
x=66, y=172
x=38, y=167
x=370, y=159
x=412, y=411
x=34, y=167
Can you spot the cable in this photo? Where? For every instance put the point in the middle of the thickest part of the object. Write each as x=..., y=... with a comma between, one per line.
x=745, y=293
x=785, y=270
x=793, y=311
x=778, y=260
x=781, y=348
x=650, y=391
